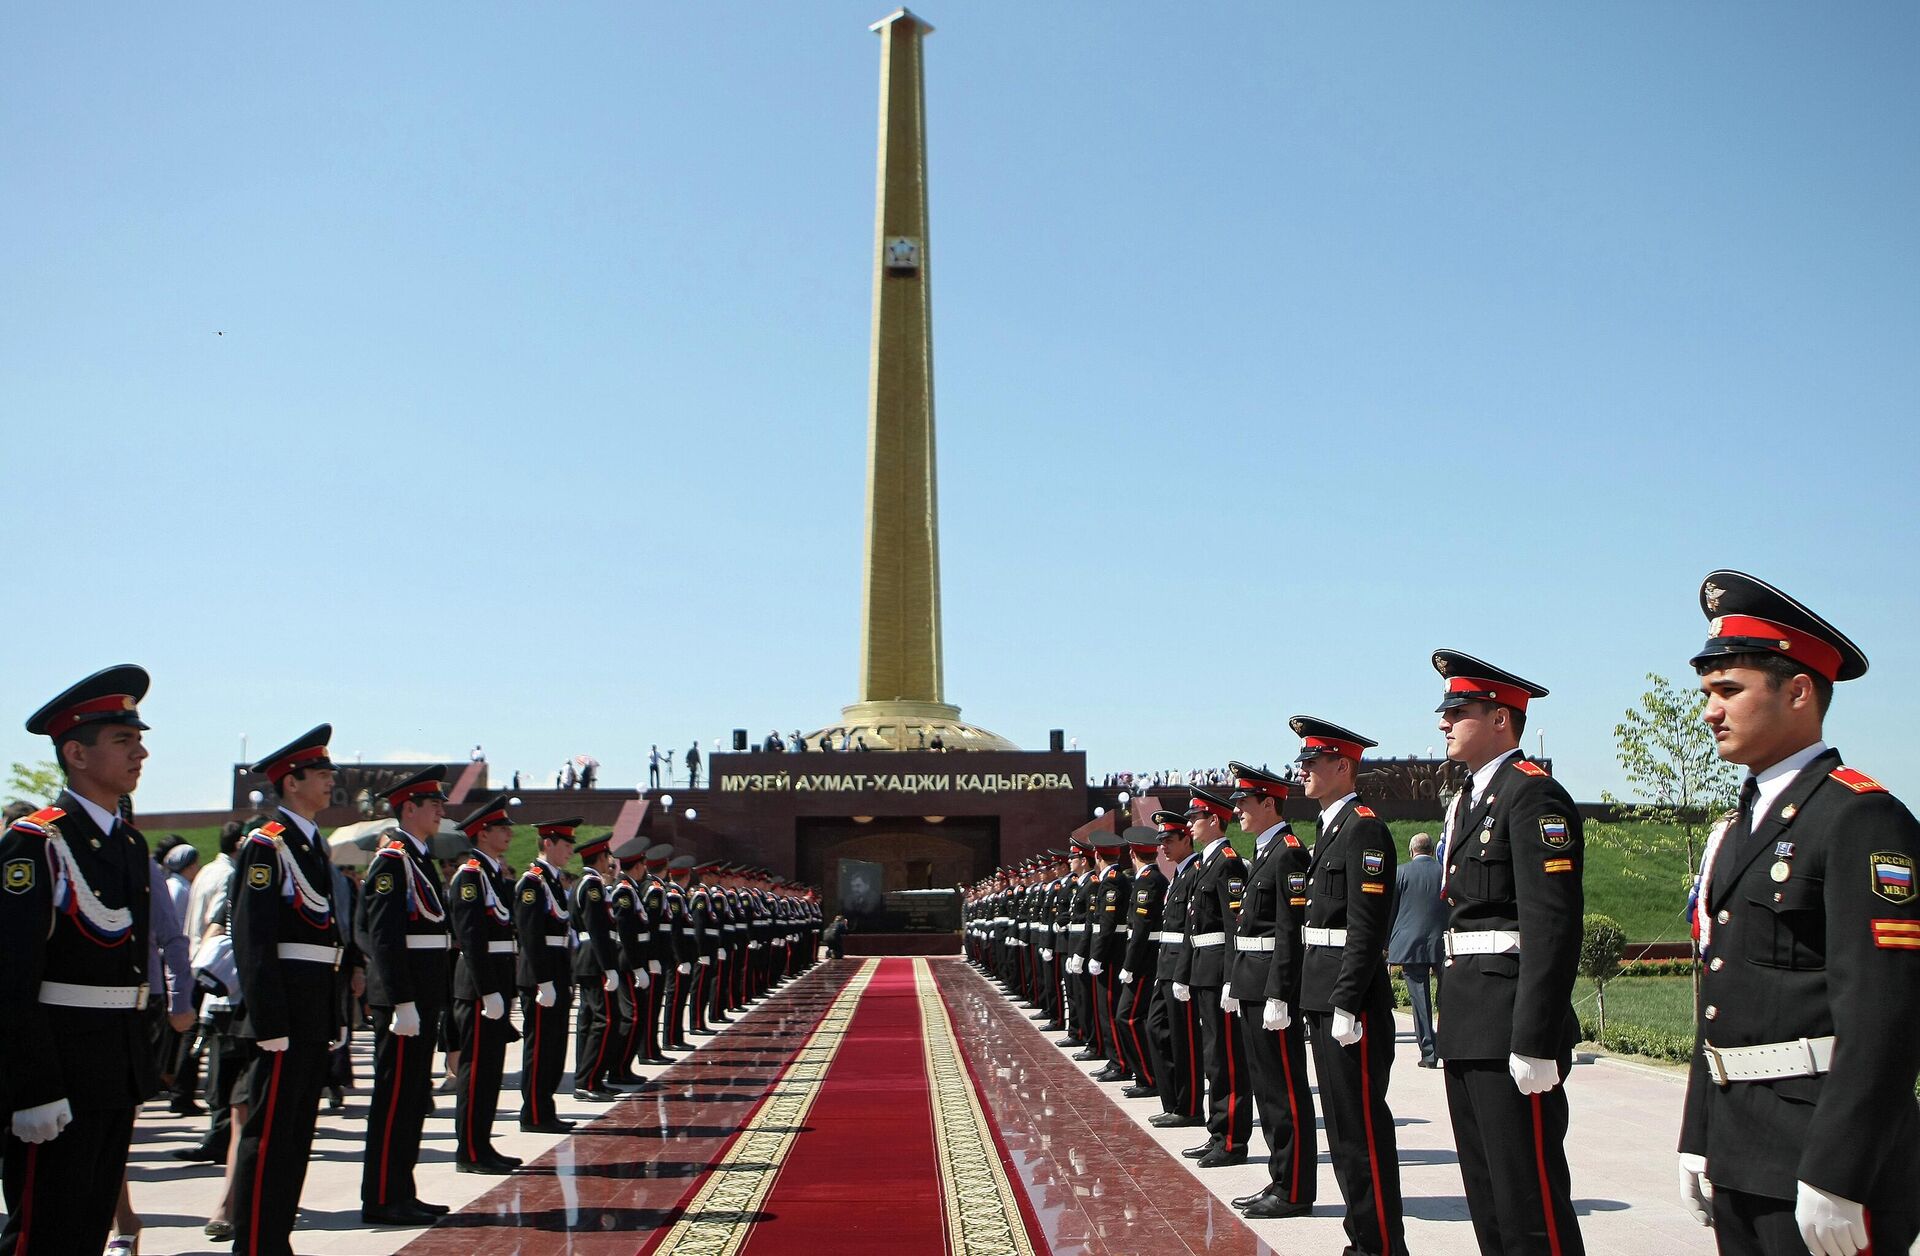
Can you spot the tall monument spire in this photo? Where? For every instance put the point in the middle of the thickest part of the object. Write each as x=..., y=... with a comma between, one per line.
x=902, y=702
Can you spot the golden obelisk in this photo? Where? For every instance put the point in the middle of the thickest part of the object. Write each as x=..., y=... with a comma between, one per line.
x=902, y=704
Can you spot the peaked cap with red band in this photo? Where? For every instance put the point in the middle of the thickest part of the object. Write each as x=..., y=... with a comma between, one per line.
x=491, y=812
x=658, y=855
x=109, y=696
x=1207, y=803
x=1144, y=840
x=1318, y=737
x=309, y=750
x=426, y=783
x=1252, y=782
x=1171, y=824
x=593, y=847
x=632, y=851
x=1107, y=845
x=562, y=829
x=1749, y=616
x=1471, y=680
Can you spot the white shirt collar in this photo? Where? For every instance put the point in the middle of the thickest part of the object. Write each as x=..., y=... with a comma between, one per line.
x=1213, y=846
x=415, y=844
x=307, y=828
x=1774, y=781
x=1260, y=843
x=1329, y=816
x=103, y=819
x=551, y=870
x=1191, y=856
x=1483, y=775
x=492, y=864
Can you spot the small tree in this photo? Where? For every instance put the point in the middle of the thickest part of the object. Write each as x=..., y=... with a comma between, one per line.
x=37, y=783
x=1602, y=942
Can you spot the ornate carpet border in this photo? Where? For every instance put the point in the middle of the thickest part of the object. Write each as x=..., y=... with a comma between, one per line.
x=983, y=1216
x=717, y=1220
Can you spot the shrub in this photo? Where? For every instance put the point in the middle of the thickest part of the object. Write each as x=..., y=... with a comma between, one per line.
x=1602, y=942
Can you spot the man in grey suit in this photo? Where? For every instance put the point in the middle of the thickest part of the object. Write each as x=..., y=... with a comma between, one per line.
x=1419, y=918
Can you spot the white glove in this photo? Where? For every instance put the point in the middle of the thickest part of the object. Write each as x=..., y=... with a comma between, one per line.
x=406, y=1022
x=611, y=980
x=653, y=966
x=1229, y=1004
x=1276, y=1016
x=706, y=961
x=1346, y=1030
x=1046, y=954
x=1126, y=976
x=641, y=979
x=545, y=995
x=722, y=952
x=1829, y=1225
x=1696, y=1193
x=1532, y=1075
x=1181, y=992
x=1096, y=967
x=274, y=1044
x=44, y=1123
x=493, y=1007
x=684, y=968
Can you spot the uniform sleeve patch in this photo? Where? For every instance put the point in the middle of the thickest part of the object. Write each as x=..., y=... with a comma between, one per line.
x=1858, y=782
x=1373, y=887
x=469, y=891
x=526, y=895
x=1530, y=768
x=19, y=876
x=260, y=876
x=1372, y=861
x=1296, y=883
x=1555, y=832
x=1559, y=865
x=1892, y=876
x=593, y=893
x=1897, y=935
x=383, y=884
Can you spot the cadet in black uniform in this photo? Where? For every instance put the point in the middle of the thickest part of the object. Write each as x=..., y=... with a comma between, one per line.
x=74, y=1060
x=1345, y=992
x=1220, y=877
x=287, y=952
x=1171, y=1025
x=1082, y=1029
x=479, y=900
x=1266, y=981
x=1137, y=965
x=633, y=933
x=1107, y=945
x=1511, y=861
x=686, y=941
x=403, y=931
x=1800, y=1105
x=662, y=958
x=596, y=972
x=545, y=975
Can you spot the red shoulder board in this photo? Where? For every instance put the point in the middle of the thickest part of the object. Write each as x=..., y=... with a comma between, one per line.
x=46, y=816
x=272, y=828
x=473, y=865
x=1530, y=768
x=393, y=844
x=1292, y=840
x=1363, y=811
x=1858, y=782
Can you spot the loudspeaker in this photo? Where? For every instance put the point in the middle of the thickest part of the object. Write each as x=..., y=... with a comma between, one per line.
x=1057, y=740
x=739, y=739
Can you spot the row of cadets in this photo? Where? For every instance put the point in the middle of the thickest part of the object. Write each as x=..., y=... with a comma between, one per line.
x=545, y=975
x=484, y=978
x=1111, y=897
x=75, y=1063
x=596, y=972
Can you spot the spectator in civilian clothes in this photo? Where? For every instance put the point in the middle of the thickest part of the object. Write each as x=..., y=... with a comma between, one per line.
x=1419, y=918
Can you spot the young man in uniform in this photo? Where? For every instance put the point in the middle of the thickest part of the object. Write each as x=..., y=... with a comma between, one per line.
x=686, y=940
x=544, y=974
x=1266, y=983
x=1107, y=946
x=478, y=899
x=1220, y=878
x=1344, y=988
x=75, y=1063
x=403, y=931
x=1800, y=1108
x=1172, y=1031
x=1131, y=1028
x=596, y=972
x=1511, y=869
x=633, y=935
x=662, y=957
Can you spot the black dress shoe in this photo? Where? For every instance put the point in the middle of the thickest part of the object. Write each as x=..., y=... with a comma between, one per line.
x=438, y=1210
x=1174, y=1121
x=1111, y=1074
x=1430, y=1064
x=1088, y=1054
x=660, y=1059
x=481, y=1166
x=553, y=1125
x=1140, y=1092
x=1248, y=1201
x=596, y=1096
x=1271, y=1206
x=501, y=1158
x=1071, y=1042
x=1052, y=1027
x=198, y=1154
x=186, y=1107
x=397, y=1214
x=1220, y=1158
x=1202, y=1151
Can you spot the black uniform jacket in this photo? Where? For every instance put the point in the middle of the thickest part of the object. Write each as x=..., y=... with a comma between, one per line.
x=1220, y=880
x=1271, y=913
x=596, y=951
x=403, y=929
x=540, y=918
x=1349, y=886
x=271, y=903
x=1514, y=862
x=1112, y=896
x=1176, y=958
x=630, y=923
x=1080, y=916
x=93, y=1058
x=1829, y=945
x=1143, y=923
x=660, y=941
x=478, y=901
x=680, y=932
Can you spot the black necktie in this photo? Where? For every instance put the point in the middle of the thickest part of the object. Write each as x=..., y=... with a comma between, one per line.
x=1742, y=827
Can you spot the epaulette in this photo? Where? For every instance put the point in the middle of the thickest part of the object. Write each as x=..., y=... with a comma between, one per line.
x=1291, y=839
x=1858, y=782
x=41, y=821
x=1363, y=811
x=267, y=834
x=390, y=848
x=1530, y=768
x=473, y=865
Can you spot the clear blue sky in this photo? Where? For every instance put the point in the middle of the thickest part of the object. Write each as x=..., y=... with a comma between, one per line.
x=478, y=374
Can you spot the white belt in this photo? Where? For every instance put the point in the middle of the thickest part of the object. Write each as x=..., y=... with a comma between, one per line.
x=426, y=941
x=643, y=937
x=1803, y=1057
x=1482, y=941
x=1210, y=939
x=1168, y=939
x=309, y=951
x=1076, y=928
x=1253, y=944
x=502, y=948
x=692, y=933
x=1322, y=937
x=103, y=998
x=556, y=939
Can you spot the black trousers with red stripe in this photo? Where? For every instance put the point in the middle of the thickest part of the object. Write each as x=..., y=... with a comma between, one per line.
x=676, y=1026
x=61, y=1194
x=659, y=1006
x=1106, y=996
x=270, y=1169
x=483, y=1059
x=1173, y=1033
x=1759, y=1225
x=1509, y=1144
x=402, y=1092
x=1229, y=1083
x=1278, y=1062
x=543, y=1052
x=593, y=1048
x=1360, y=1138
x=1130, y=1029
x=624, y=1034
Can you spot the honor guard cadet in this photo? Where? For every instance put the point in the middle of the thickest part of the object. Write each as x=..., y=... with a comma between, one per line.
x=662, y=958
x=286, y=952
x=596, y=972
x=75, y=1063
x=479, y=902
x=1344, y=988
x=1173, y=1033
x=403, y=930
x=1220, y=878
x=1131, y=1018
x=1511, y=869
x=1800, y=1107
x=633, y=934
x=686, y=948
x=1265, y=982
x=1107, y=944
x=705, y=933
x=545, y=975
x=1083, y=1029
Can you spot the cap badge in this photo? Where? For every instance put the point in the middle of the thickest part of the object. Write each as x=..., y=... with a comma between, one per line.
x=1713, y=593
